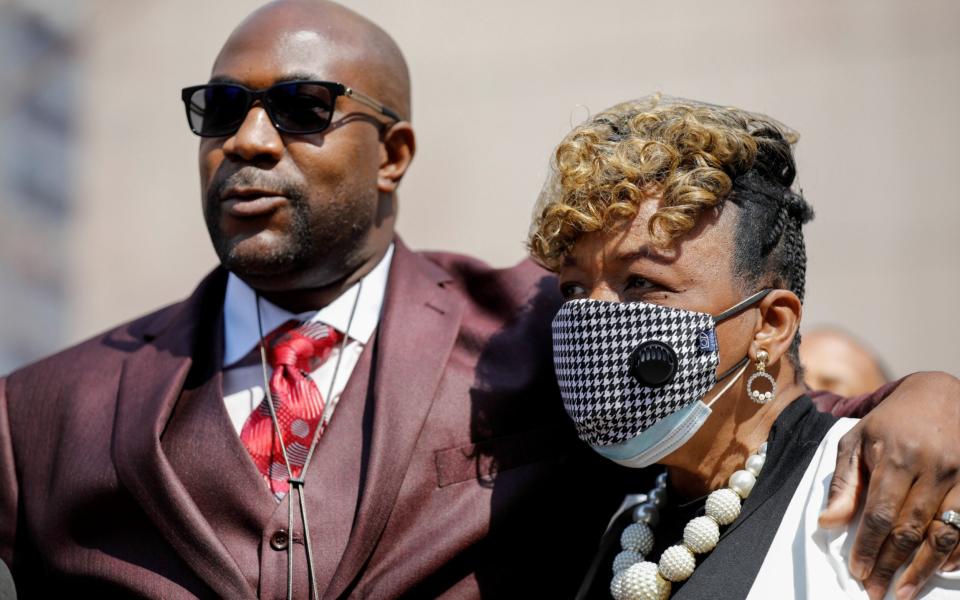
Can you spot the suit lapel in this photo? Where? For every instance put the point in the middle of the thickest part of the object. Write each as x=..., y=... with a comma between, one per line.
x=418, y=328
x=150, y=384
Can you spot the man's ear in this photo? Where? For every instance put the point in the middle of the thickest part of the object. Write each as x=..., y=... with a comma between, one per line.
x=397, y=150
x=779, y=322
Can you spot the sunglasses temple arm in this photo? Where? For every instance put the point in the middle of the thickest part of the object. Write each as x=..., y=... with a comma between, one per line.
x=360, y=97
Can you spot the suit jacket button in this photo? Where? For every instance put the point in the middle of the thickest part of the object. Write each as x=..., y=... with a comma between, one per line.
x=279, y=540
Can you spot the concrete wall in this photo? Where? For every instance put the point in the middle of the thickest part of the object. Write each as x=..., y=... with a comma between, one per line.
x=872, y=86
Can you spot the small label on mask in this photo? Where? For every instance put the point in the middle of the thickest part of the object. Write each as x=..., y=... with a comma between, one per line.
x=708, y=340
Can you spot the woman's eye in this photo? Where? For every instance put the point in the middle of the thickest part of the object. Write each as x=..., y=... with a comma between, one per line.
x=569, y=291
x=638, y=283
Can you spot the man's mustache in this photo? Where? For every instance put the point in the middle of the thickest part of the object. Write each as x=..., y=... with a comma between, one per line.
x=252, y=178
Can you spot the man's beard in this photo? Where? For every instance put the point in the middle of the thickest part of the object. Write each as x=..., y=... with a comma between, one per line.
x=293, y=254
x=299, y=244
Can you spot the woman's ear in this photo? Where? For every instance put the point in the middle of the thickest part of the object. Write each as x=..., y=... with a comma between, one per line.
x=397, y=150
x=779, y=322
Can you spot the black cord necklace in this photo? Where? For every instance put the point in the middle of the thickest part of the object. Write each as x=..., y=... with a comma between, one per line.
x=297, y=483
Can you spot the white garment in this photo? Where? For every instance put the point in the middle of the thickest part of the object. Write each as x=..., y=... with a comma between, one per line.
x=243, y=385
x=805, y=561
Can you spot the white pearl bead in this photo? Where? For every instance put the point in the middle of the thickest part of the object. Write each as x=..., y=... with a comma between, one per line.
x=742, y=482
x=637, y=537
x=768, y=396
x=723, y=506
x=626, y=559
x=616, y=586
x=643, y=582
x=755, y=464
x=677, y=563
x=762, y=451
x=701, y=535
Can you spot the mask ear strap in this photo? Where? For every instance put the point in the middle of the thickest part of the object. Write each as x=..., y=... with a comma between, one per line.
x=734, y=310
x=742, y=363
x=741, y=306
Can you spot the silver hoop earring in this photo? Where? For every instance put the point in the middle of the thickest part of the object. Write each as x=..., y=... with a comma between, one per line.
x=756, y=395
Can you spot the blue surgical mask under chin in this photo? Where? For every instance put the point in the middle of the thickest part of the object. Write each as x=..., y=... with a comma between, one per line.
x=633, y=375
x=665, y=436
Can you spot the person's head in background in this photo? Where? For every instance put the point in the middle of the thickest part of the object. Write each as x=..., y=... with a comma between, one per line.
x=835, y=361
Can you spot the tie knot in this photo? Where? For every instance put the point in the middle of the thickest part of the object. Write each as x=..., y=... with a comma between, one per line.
x=301, y=345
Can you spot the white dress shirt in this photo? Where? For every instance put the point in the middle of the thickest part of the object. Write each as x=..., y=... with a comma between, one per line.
x=243, y=384
x=805, y=561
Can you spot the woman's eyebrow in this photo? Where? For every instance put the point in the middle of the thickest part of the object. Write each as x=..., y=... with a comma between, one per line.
x=645, y=252
x=630, y=255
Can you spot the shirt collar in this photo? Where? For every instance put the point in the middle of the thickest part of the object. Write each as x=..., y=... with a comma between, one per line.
x=241, y=334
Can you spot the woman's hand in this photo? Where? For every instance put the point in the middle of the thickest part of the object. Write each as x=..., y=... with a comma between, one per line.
x=905, y=457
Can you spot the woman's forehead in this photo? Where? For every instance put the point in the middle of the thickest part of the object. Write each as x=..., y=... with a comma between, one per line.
x=705, y=250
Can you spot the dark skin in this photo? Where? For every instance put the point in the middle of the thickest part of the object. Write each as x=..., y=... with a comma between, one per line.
x=905, y=454
x=301, y=218
x=624, y=265
x=913, y=478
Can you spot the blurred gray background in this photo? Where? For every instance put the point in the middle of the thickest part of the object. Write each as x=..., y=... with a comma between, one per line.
x=101, y=215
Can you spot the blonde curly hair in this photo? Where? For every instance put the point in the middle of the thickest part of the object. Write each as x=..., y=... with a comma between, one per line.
x=688, y=151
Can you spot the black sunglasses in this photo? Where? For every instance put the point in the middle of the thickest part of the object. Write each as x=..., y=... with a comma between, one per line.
x=299, y=107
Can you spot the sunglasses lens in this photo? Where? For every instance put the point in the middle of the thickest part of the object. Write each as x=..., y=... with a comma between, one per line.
x=217, y=109
x=301, y=107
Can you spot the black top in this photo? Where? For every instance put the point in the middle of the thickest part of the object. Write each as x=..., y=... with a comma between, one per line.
x=729, y=570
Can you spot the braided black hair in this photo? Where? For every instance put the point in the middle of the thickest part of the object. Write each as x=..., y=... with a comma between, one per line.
x=769, y=250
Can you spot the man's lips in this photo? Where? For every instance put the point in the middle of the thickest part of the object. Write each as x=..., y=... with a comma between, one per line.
x=251, y=203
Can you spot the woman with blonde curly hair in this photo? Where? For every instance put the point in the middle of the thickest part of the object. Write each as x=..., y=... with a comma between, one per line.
x=676, y=230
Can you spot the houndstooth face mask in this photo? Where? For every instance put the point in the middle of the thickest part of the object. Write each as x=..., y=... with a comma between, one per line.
x=624, y=367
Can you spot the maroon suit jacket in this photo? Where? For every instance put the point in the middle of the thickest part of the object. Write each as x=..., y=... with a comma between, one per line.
x=450, y=468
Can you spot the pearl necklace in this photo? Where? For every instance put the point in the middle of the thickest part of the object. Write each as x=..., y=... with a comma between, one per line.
x=637, y=579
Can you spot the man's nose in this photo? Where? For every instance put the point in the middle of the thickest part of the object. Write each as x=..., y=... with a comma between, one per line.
x=257, y=138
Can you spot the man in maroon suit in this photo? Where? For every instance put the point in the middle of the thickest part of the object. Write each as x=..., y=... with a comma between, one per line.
x=128, y=464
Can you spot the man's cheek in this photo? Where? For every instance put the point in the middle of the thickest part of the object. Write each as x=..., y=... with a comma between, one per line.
x=209, y=160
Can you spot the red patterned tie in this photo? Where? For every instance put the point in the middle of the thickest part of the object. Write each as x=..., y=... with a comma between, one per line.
x=293, y=352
